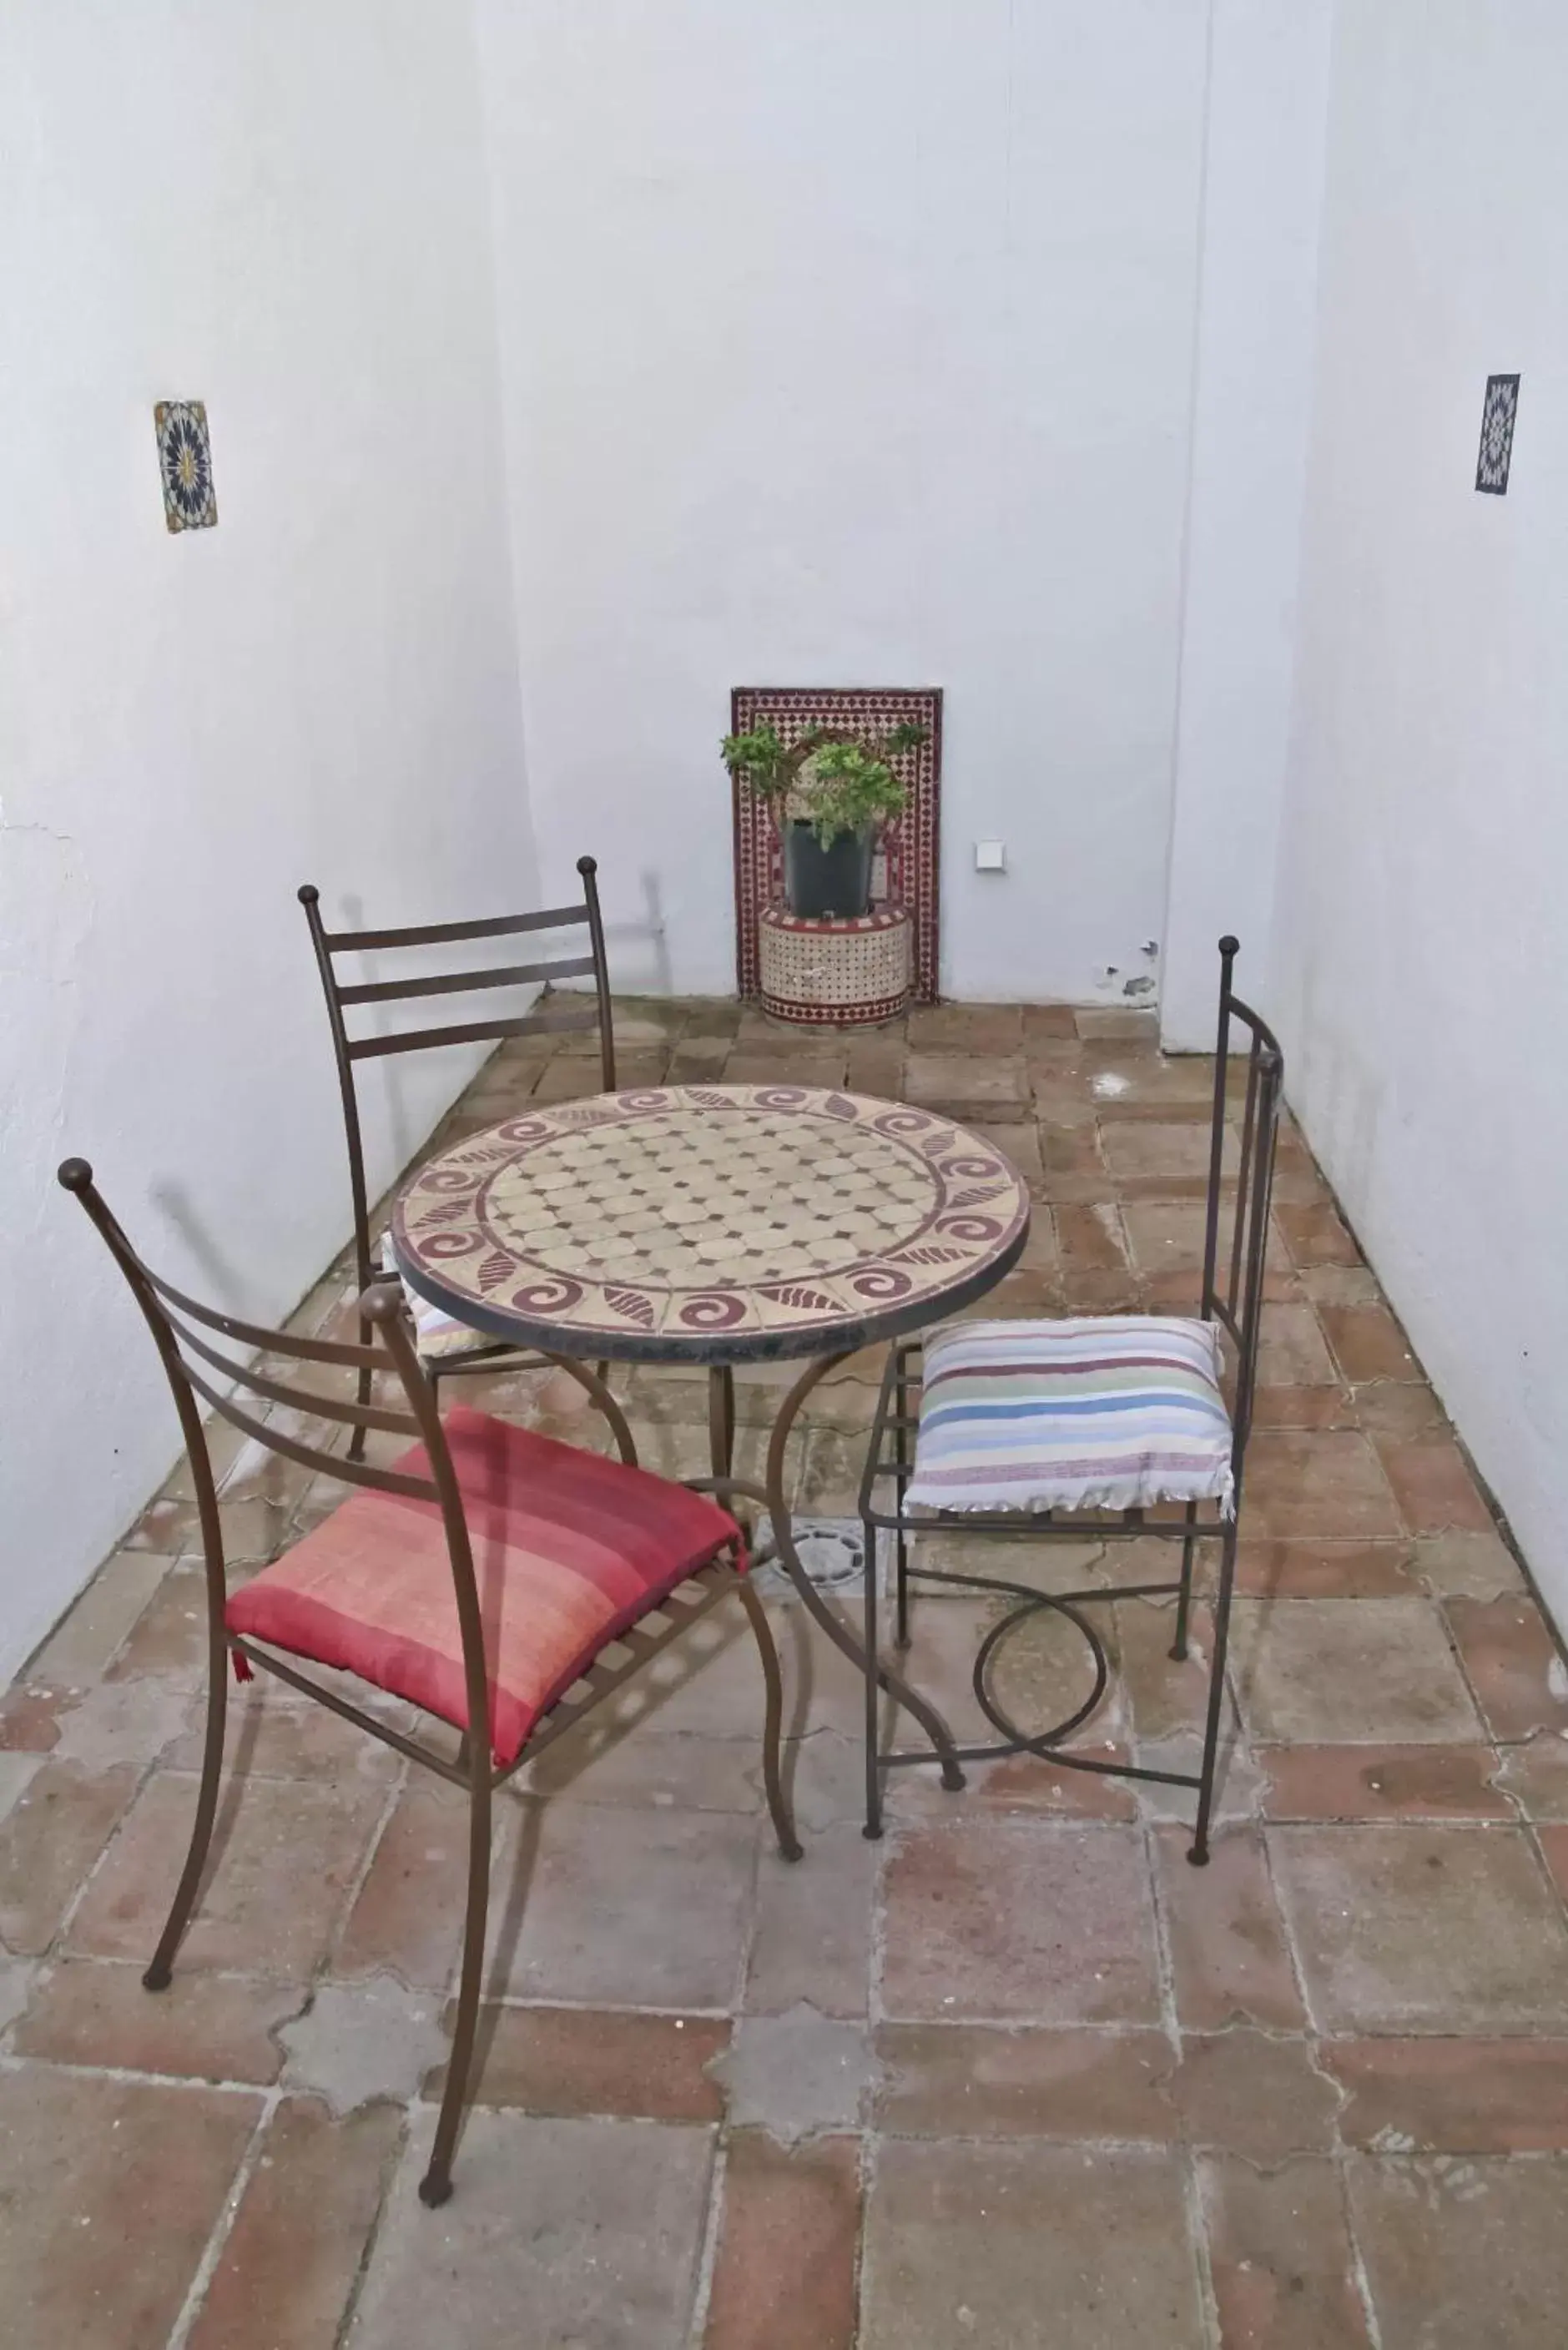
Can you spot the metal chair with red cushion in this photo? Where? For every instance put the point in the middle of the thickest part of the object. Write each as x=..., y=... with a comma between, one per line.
x=479, y=1572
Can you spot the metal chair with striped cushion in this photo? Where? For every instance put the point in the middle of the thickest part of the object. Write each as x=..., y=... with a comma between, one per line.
x=1025, y=1428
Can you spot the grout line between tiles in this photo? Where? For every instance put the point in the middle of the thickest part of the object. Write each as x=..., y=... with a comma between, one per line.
x=212, y=2252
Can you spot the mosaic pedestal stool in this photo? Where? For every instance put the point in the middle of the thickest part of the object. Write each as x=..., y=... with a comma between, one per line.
x=835, y=972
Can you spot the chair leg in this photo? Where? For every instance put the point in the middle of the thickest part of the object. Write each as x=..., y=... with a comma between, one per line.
x=436, y=2185
x=1198, y=1854
x=156, y=1977
x=873, y=1829
x=1184, y=1603
x=900, y=1540
x=362, y=1394
x=773, y=1722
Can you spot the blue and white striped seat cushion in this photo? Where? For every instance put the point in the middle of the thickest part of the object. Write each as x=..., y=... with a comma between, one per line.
x=1108, y=1411
x=438, y=1336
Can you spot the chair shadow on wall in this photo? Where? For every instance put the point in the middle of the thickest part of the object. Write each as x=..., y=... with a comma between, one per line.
x=645, y=945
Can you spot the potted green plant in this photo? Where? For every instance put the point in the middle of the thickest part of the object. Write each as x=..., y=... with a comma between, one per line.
x=828, y=794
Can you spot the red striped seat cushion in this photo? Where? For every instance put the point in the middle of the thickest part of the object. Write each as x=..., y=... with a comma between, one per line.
x=569, y=1549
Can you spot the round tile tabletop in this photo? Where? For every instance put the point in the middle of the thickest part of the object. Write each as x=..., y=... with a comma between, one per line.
x=711, y=1224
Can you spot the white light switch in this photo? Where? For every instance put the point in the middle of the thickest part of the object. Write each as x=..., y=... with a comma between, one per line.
x=991, y=856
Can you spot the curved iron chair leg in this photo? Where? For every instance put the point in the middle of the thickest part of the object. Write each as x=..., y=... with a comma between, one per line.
x=821, y=1614
x=773, y=1722
x=158, y=1974
x=436, y=2185
x=1198, y=1854
x=872, y=1831
x=362, y=1383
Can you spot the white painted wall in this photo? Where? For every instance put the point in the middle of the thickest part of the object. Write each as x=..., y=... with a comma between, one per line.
x=853, y=346
x=280, y=211
x=1252, y=414
x=1423, y=985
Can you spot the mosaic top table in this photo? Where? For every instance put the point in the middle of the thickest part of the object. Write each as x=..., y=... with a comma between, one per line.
x=718, y=1225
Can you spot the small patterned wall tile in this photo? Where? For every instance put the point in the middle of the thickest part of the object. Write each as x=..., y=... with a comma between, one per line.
x=1497, y=413
x=186, y=460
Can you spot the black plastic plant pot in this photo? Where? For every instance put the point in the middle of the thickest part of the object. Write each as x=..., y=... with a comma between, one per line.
x=821, y=883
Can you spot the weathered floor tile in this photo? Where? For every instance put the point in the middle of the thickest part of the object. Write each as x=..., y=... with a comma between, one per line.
x=1147, y=1153
x=361, y=2043
x=1023, y=1783
x=1513, y=1664
x=1046, y=1920
x=567, y=2061
x=1279, y=2257
x=812, y=1938
x=85, y=2160
x=674, y=1770
x=408, y=1913
x=1432, y=1485
x=1453, y=2097
x=1036, y=2248
x=292, y=2255
x=1423, y=1929
x=796, y=2074
x=1398, y=1408
x=784, y=2275
x=558, y=2232
x=1228, y=1946
x=267, y=1737
x=994, y=1089
x=1459, y=2254
x=30, y=1717
x=1164, y=1697
x=84, y=1644
x=1254, y=2094
x=1535, y=1775
x=1291, y=1351
x=53, y=1833
x=1343, y=1671
x=1309, y=1568
x=1466, y=1565
x=282, y=1874
x=208, y=2027
x=622, y=1908
x=1383, y=1782
x=170, y=1637
x=1368, y=1344
x=1316, y=1235
x=956, y=2080
x=1312, y=1481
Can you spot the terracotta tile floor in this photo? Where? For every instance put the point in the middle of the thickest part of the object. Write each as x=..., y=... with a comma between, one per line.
x=1017, y=2076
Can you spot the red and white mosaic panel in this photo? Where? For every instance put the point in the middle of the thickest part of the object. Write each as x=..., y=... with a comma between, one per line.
x=907, y=867
x=719, y=1221
x=835, y=972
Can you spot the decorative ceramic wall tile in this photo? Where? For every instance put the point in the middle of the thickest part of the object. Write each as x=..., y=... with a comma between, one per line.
x=1497, y=433
x=185, y=459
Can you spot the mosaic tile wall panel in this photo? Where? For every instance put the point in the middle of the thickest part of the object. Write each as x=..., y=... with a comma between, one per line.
x=910, y=875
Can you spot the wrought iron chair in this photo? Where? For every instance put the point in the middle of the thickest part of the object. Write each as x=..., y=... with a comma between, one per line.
x=1025, y=1426
x=448, y=1347
x=474, y=1604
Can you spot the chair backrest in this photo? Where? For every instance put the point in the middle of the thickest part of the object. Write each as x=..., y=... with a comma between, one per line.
x=350, y=1051
x=1236, y=1234
x=213, y=1355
